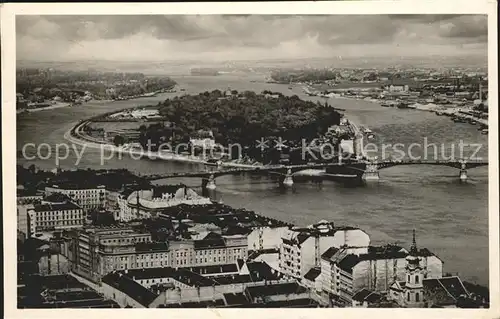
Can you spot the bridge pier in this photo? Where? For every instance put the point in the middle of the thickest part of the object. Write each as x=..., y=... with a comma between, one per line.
x=211, y=183
x=288, y=181
x=371, y=172
x=463, y=175
x=463, y=171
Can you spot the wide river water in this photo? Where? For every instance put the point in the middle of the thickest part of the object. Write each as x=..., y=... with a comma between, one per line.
x=450, y=217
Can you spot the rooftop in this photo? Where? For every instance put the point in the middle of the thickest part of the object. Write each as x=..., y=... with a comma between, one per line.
x=252, y=254
x=129, y=287
x=366, y=295
x=71, y=185
x=61, y=291
x=158, y=191
x=322, y=228
x=201, y=304
x=236, y=299
x=312, y=274
x=329, y=253
x=347, y=261
x=28, y=192
x=274, y=289
x=221, y=215
x=56, y=206
x=57, y=198
x=148, y=246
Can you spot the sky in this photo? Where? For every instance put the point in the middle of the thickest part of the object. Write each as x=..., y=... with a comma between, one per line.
x=247, y=37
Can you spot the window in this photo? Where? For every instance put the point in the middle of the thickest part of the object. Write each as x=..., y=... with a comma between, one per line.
x=417, y=297
x=408, y=296
x=416, y=281
x=408, y=278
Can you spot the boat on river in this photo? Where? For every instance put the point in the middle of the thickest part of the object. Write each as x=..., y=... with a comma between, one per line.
x=403, y=105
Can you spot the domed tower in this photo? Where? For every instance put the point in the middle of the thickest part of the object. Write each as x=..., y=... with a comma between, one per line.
x=414, y=288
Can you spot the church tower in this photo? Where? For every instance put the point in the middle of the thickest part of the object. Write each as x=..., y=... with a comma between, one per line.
x=414, y=288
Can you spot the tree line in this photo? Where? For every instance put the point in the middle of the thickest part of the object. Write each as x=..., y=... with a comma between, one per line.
x=240, y=118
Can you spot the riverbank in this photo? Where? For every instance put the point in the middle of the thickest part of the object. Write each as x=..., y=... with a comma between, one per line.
x=451, y=110
x=77, y=136
x=38, y=109
x=423, y=197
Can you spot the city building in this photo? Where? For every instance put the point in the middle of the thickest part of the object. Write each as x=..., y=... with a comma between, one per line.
x=52, y=216
x=346, y=271
x=96, y=251
x=141, y=204
x=266, y=237
x=418, y=291
x=28, y=197
x=22, y=218
x=255, y=286
x=203, y=139
x=301, y=248
x=365, y=299
x=60, y=291
x=87, y=198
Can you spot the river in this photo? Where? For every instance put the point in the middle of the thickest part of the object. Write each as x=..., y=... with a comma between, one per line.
x=450, y=217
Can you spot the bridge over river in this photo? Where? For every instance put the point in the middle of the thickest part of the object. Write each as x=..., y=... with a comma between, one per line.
x=364, y=169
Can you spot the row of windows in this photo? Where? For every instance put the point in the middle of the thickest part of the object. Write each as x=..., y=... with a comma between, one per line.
x=142, y=257
x=126, y=240
x=122, y=262
x=82, y=191
x=88, y=197
x=58, y=212
x=60, y=223
x=56, y=218
x=206, y=260
x=417, y=296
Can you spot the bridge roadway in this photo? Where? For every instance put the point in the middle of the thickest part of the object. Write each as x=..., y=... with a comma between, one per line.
x=288, y=170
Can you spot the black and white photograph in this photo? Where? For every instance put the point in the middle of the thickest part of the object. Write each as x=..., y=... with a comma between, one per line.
x=325, y=160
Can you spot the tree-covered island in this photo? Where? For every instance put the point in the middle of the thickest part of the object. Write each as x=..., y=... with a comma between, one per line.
x=243, y=118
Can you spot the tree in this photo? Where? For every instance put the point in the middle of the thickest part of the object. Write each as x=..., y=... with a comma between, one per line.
x=118, y=140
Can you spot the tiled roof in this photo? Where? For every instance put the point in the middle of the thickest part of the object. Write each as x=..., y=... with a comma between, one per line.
x=57, y=198
x=312, y=274
x=232, y=279
x=236, y=299
x=373, y=297
x=145, y=246
x=348, y=262
x=252, y=254
x=215, y=269
x=444, y=291
x=158, y=191
x=329, y=253
x=54, y=207
x=150, y=273
x=275, y=289
x=209, y=243
x=72, y=185
x=361, y=295
x=260, y=271
x=201, y=304
x=454, y=286
x=129, y=287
